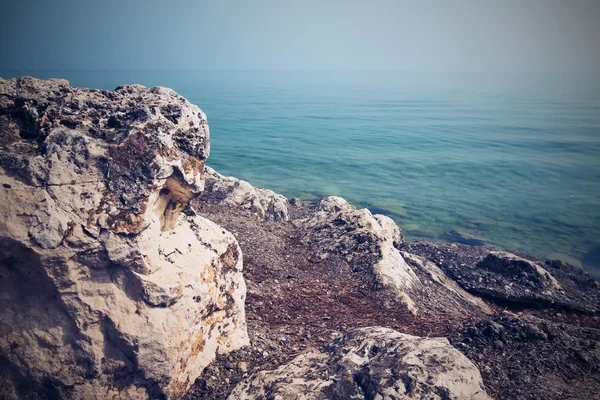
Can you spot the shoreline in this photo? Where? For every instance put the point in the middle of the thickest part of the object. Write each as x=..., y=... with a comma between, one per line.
x=131, y=269
x=454, y=235
x=281, y=278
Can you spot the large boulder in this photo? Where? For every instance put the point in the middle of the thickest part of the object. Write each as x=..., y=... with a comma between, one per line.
x=511, y=280
x=369, y=242
x=371, y=363
x=521, y=270
x=372, y=244
x=110, y=285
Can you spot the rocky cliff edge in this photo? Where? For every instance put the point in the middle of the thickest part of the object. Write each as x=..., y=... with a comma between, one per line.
x=121, y=276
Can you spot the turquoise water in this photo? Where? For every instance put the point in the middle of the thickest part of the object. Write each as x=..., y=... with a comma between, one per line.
x=514, y=161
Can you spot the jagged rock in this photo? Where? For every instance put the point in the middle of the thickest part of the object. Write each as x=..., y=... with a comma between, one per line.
x=371, y=363
x=368, y=241
x=372, y=243
x=111, y=286
x=228, y=190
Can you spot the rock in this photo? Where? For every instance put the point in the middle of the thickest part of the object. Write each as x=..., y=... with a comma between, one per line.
x=243, y=366
x=442, y=292
x=592, y=259
x=369, y=242
x=513, y=280
x=371, y=363
x=233, y=191
x=111, y=286
x=519, y=270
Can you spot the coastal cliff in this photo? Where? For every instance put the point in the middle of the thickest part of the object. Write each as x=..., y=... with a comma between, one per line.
x=124, y=263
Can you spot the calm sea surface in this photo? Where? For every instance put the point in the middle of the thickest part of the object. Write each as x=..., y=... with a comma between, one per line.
x=513, y=161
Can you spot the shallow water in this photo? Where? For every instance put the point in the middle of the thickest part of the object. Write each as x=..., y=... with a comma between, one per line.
x=513, y=161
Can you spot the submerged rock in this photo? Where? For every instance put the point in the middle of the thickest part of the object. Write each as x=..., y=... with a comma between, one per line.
x=463, y=238
x=111, y=286
x=371, y=363
x=592, y=259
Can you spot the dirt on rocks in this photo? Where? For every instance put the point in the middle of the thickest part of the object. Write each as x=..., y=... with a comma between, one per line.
x=298, y=300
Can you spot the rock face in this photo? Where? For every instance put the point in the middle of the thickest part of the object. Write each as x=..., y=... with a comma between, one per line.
x=110, y=285
x=371, y=363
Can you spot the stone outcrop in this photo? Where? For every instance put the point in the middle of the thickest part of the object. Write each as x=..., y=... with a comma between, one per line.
x=336, y=227
x=371, y=363
x=231, y=191
x=508, y=277
x=372, y=244
x=441, y=293
x=110, y=285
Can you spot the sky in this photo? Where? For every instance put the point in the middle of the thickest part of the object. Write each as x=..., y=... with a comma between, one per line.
x=453, y=35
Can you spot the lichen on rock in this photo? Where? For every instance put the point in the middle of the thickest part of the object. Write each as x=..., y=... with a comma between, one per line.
x=111, y=285
x=371, y=363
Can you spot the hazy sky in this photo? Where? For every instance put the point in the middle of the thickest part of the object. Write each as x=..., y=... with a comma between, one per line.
x=478, y=35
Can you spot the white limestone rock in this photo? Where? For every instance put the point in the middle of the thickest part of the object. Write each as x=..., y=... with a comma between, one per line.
x=229, y=190
x=336, y=227
x=373, y=245
x=371, y=363
x=110, y=285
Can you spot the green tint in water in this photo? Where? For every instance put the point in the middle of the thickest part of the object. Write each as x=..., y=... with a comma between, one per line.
x=516, y=165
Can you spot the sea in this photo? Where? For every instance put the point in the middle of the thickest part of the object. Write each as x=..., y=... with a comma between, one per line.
x=508, y=160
